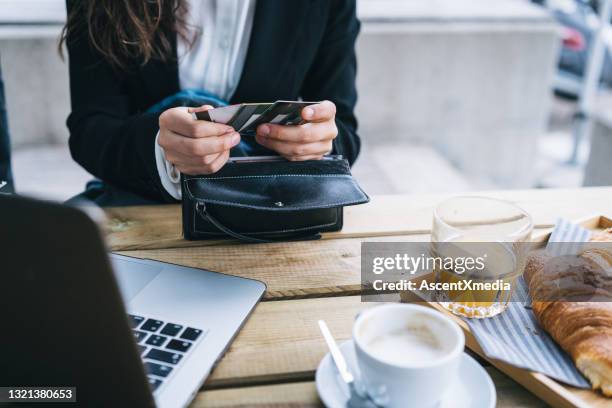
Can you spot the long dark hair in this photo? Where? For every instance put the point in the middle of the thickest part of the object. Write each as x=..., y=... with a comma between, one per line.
x=123, y=31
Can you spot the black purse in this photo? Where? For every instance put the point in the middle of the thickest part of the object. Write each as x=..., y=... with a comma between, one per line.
x=265, y=199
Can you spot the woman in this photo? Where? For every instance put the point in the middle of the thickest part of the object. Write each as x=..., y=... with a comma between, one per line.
x=135, y=64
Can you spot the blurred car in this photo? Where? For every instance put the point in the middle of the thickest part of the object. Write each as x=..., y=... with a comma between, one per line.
x=578, y=20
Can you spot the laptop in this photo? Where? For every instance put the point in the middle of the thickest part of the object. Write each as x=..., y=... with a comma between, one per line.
x=122, y=331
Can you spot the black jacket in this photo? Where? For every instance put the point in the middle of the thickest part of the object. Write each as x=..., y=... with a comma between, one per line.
x=302, y=48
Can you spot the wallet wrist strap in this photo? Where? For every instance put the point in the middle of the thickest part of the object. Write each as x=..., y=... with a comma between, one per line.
x=200, y=208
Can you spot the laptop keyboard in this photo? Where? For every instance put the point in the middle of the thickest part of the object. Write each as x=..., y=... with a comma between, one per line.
x=162, y=346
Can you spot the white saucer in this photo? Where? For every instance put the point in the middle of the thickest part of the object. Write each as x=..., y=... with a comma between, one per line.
x=473, y=388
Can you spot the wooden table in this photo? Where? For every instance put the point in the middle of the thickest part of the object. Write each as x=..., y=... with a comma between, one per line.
x=272, y=361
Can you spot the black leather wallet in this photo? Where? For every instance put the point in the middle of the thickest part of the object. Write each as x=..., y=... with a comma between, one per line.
x=265, y=199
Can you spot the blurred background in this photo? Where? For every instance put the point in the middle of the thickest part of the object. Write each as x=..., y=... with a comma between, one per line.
x=454, y=95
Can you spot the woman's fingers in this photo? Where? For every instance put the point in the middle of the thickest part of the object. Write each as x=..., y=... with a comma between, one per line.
x=206, y=165
x=216, y=165
x=305, y=142
x=179, y=159
x=306, y=133
x=180, y=121
x=294, y=150
x=202, y=108
x=199, y=129
x=320, y=112
x=213, y=166
x=198, y=147
x=202, y=147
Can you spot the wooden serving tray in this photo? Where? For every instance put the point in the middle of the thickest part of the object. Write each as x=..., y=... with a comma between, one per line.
x=554, y=393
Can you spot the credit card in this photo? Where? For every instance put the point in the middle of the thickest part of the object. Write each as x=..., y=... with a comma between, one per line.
x=281, y=113
x=245, y=117
x=219, y=115
x=248, y=113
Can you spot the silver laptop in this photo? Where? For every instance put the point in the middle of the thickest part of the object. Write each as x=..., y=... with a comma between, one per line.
x=67, y=313
x=183, y=320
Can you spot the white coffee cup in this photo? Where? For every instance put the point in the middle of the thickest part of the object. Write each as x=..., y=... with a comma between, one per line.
x=408, y=355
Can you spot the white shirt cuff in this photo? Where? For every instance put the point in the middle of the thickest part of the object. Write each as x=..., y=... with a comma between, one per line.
x=169, y=176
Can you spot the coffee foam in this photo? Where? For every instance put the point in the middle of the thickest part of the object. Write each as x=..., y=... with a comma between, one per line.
x=406, y=346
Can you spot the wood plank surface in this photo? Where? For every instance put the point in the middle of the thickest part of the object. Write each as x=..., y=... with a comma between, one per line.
x=160, y=226
x=304, y=395
x=294, y=395
x=272, y=361
x=292, y=270
x=281, y=341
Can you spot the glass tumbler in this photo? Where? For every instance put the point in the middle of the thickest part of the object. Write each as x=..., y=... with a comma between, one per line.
x=495, y=233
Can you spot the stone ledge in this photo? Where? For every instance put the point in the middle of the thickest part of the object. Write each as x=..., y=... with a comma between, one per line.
x=450, y=10
x=53, y=11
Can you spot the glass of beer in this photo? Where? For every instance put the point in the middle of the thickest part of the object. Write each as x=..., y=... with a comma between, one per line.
x=494, y=235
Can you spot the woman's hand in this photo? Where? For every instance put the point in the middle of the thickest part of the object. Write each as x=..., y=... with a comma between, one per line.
x=195, y=146
x=310, y=141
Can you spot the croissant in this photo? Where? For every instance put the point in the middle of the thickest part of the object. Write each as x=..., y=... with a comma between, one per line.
x=581, y=327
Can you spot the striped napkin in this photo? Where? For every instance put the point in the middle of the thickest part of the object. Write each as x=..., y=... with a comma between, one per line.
x=515, y=337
